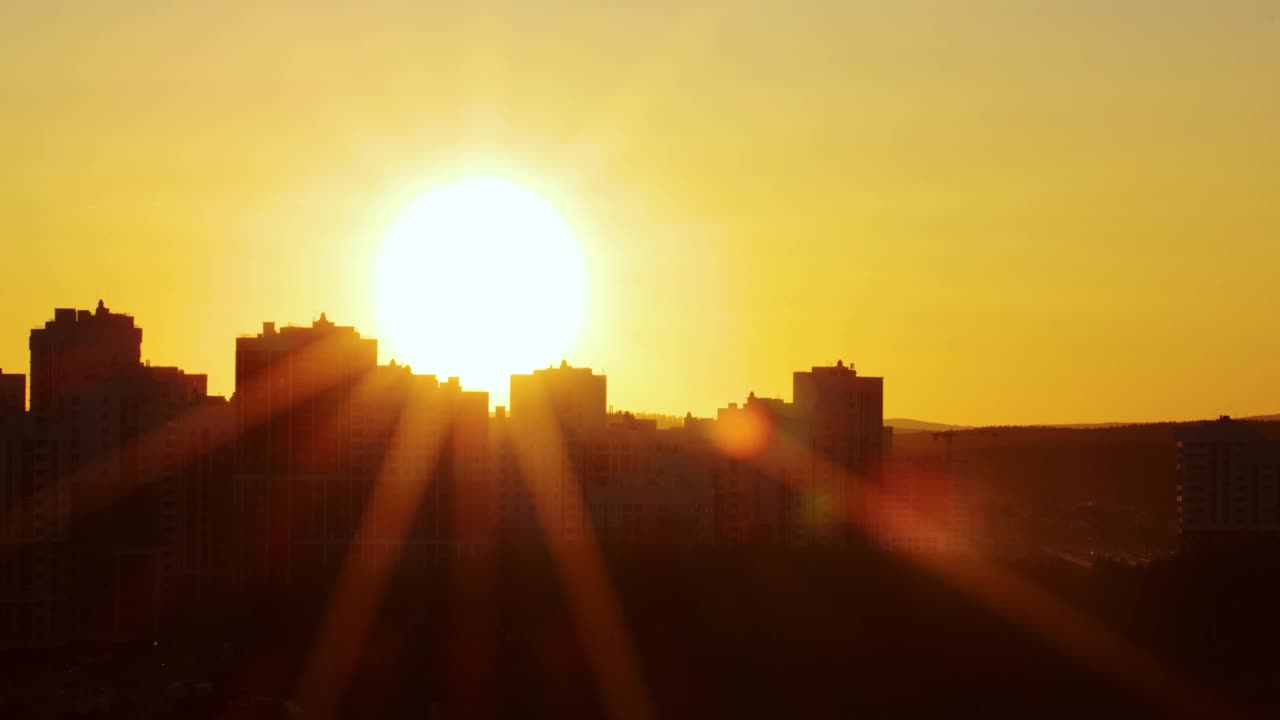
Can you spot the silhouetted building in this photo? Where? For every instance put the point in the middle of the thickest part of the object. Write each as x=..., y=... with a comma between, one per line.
x=753, y=469
x=29, y=591
x=839, y=422
x=1228, y=485
x=427, y=441
x=767, y=471
x=120, y=448
x=322, y=430
x=13, y=393
x=651, y=490
x=79, y=347
x=681, y=503
x=93, y=481
x=790, y=472
x=557, y=425
x=293, y=405
x=567, y=467
x=204, y=436
x=843, y=417
x=575, y=397
x=293, y=395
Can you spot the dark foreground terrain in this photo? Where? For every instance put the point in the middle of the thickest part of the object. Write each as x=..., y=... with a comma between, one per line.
x=759, y=634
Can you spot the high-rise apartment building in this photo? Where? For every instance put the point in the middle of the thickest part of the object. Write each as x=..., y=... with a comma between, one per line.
x=838, y=421
x=93, y=479
x=77, y=348
x=322, y=429
x=1228, y=490
x=558, y=420
x=293, y=407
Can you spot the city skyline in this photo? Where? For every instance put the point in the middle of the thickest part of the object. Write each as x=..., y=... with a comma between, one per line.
x=129, y=497
x=502, y=398
x=130, y=350
x=324, y=460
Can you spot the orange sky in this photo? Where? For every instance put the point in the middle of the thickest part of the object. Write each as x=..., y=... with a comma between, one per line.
x=1017, y=212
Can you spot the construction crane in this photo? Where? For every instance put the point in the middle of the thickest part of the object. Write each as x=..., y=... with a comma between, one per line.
x=950, y=436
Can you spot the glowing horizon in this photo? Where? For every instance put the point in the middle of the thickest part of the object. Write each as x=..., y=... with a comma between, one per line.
x=1053, y=214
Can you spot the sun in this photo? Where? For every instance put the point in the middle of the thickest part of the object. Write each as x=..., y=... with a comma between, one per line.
x=479, y=279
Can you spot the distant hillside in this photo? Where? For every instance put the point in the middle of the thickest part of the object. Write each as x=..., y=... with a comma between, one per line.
x=1091, y=426
x=907, y=425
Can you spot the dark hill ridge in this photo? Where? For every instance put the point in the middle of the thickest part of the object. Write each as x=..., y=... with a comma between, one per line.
x=907, y=425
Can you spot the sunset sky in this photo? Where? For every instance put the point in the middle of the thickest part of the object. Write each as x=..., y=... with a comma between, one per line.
x=1017, y=212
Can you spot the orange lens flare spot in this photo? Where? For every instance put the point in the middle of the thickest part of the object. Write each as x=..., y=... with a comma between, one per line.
x=743, y=433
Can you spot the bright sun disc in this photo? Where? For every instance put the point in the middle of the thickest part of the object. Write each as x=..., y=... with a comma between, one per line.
x=480, y=279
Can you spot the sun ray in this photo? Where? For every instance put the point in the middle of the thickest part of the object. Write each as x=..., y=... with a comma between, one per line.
x=543, y=458
x=877, y=515
x=398, y=491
